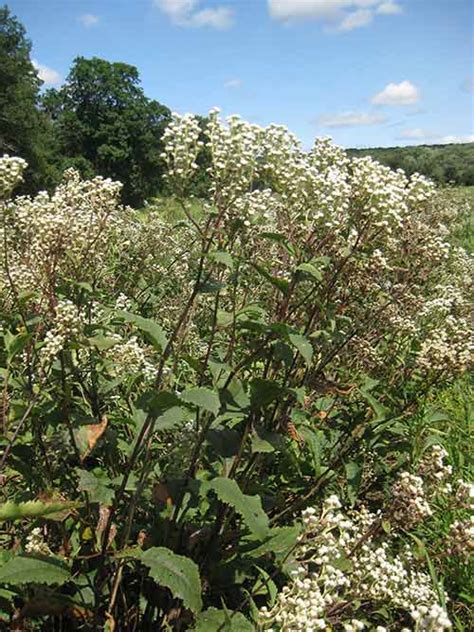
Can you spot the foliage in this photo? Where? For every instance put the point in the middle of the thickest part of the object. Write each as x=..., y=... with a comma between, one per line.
x=187, y=387
x=24, y=130
x=445, y=164
x=104, y=124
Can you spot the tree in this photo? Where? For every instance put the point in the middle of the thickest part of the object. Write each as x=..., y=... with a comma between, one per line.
x=23, y=127
x=106, y=125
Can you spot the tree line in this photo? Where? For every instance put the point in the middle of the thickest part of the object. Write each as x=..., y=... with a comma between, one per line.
x=101, y=122
x=445, y=164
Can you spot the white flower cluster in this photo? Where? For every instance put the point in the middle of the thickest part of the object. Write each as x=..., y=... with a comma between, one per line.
x=129, y=358
x=409, y=503
x=461, y=538
x=67, y=325
x=35, y=543
x=182, y=145
x=64, y=235
x=342, y=561
x=433, y=469
x=11, y=174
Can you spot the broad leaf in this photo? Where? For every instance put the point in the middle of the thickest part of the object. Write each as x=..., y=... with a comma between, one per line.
x=309, y=268
x=96, y=486
x=249, y=507
x=152, y=330
x=214, y=620
x=202, y=398
x=26, y=569
x=303, y=345
x=178, y=573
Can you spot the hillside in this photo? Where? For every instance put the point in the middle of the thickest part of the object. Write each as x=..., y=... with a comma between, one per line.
x=445, y=164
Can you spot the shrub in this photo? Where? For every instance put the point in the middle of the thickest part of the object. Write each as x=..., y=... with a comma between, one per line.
x=173, y=395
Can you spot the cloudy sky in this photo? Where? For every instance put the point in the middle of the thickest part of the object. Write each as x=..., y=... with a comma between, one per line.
x=366, y=72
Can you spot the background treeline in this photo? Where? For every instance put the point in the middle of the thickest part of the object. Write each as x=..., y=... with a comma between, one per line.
x=101, y=122
x=445, y=164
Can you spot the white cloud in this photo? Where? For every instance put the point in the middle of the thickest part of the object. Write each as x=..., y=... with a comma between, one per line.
x=403, y=93
x=340, y=15
x=389, y=8
x=88, y=20
x=415, y=134
x=49, y=76
x=351, y=119
x=233, y=83
x=188, y=13
x=355, y=20
x=418, y=134
x=469, y=138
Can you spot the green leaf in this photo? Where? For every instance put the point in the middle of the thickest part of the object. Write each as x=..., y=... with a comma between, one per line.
x=280, y=541
x=309, y=268
x=32, y=509
x=280, y=284
x=249, y=507
x=303, y=345
x=171, y=418
x=178, y=573
x=264, y=392
x=26, y=569
x=96, y=486
x=152, y=330
x=202, y=398
x=214, y=620
x=101, y=342
x=15, y=344
x=222, y=257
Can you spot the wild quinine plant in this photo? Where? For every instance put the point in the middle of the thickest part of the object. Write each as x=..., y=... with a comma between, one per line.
x=175, y=394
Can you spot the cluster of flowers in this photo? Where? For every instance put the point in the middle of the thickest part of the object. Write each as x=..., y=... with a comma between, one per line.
x=67, y=324
x=128, y=357
x=342, y=560
x=11, y=174
x=63, y=235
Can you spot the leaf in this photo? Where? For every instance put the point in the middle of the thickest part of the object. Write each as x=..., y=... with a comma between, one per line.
x=249, y=507
x=26, y=569
x=303, y=345
x=264, y=392
x=101, y=342
x=280, y=284
x=170, y=419
x=32, y=509
x=15, y=344
x=178, y=573
x=280, y=541
x=214, y=620
x=222, y=257
x=202, y=398
x=309, y=268
x=88, y=434
x=152, y=330
x=96, y=486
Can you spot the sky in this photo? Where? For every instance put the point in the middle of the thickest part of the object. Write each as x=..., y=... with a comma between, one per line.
x=365, y=72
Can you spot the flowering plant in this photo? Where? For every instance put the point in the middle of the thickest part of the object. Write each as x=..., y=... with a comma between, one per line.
x=176, y=390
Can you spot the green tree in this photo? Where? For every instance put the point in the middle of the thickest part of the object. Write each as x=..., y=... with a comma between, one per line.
x=24, y=129
x=105, y=124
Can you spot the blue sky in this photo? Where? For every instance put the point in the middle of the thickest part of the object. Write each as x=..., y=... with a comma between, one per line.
x=366, y=72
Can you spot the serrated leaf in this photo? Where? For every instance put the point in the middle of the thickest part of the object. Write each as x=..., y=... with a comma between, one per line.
x=214, y=620
x=248, y=507
x=152, y=330
x=202, y=398
x=171, y=418
x=178, y=573
x=96, y=486
x=264, y=392
x=303, y=345
x=222, y=257
x=32, y=509
x=280, y=541
x=26, y=569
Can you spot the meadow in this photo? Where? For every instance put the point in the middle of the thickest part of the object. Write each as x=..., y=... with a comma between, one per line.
x=247, y=411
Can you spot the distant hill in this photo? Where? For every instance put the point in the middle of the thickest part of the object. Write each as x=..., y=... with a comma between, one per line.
x=444, y=164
